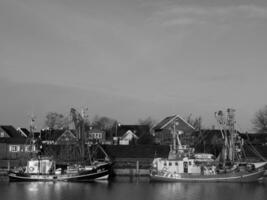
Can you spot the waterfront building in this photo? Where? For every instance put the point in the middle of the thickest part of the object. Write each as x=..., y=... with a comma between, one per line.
x=127, y=134
x=96, y=136
x=57, y=136
x=162, y=130
x=13, y=145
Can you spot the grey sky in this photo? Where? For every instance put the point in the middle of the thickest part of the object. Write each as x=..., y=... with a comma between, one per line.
x=130, y=59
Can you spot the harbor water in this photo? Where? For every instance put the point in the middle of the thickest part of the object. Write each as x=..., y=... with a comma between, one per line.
x=127, y=188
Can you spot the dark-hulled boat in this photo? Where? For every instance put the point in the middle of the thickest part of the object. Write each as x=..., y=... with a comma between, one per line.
x=44, y=168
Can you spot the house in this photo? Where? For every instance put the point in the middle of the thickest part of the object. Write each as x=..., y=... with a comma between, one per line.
x=127, y=137
x=163, y=130
x=58, y=137
x=66, y=138
x=96, y=136
x=127, y=133
x=13, y=145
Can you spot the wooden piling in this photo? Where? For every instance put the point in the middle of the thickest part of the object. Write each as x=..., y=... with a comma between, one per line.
x=137, y=167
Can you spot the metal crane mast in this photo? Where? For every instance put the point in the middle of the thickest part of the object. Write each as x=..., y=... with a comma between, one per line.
x=79, y=124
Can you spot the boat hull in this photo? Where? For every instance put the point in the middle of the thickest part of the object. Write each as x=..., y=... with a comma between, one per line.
x=228, y=177
x=85, y=176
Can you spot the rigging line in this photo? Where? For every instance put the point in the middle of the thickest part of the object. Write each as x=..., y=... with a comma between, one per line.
x=202, y=137
x=255, y=150
x=258, y=154
x=243, y=151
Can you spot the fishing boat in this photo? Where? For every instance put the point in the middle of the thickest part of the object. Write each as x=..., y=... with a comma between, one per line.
x=184, y=165
x=45, y=168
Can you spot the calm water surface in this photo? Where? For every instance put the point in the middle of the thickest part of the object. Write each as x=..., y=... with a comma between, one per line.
x=125, y=188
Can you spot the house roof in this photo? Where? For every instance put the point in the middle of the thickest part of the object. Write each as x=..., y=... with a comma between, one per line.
x=67, y=137
x=128, y=133
x=24, y=132
x=51, y=134
x=166, y=122
x=11, y=131
x=138, y=130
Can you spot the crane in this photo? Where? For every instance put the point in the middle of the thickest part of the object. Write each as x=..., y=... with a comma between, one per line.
x=79, y=123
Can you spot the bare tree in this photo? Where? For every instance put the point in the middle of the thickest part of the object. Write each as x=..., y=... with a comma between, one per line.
x=148, y=121
x=195, y=122
x=103, y=123
x=55, y=120
x=260, y=120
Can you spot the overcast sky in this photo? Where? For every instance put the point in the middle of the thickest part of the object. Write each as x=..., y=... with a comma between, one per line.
x=130, y=59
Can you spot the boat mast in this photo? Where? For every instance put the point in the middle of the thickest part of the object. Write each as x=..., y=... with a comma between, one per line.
x=79, y=127
x=32, y=128
x=227, y=127
x=231, y=129
x=176, y=146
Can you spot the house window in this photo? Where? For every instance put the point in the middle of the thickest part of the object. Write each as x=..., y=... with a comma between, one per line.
x=176, y=163
x=190, y=163
x=29, y=148
x=165, y=164
x=170, y=163
x=14, y=148
x=2, y=134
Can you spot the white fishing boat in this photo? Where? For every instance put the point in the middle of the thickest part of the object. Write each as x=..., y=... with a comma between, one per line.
x=183, y=165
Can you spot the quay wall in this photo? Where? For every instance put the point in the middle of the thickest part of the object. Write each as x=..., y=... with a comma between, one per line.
x=134, y=160
x=3, y=175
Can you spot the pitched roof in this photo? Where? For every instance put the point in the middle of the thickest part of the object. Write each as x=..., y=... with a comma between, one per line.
x=129, y=132
x=55, y=134
x=11, y=131
x=51, y=134
x=166, y=122
x=24, y=132
x=138, y=130
x=67, y=137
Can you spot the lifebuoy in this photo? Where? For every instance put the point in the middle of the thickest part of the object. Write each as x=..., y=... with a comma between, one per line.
x=31, y=169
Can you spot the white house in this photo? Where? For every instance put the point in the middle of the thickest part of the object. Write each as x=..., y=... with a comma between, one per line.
x=127, y=137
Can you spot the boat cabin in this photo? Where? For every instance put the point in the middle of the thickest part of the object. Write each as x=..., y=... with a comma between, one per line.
x=183, y=166
x=40, y=166
x=177, y=166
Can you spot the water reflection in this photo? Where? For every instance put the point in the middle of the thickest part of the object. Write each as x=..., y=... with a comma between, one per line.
x=126, y=188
